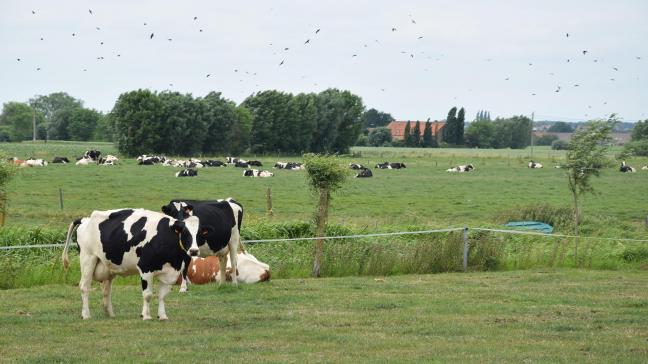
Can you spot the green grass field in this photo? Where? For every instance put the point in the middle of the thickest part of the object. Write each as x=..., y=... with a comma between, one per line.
x=423, y=194
x=533, y=316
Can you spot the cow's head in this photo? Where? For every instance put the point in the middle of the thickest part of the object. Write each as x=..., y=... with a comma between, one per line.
x=187, y=231
x=178, y=210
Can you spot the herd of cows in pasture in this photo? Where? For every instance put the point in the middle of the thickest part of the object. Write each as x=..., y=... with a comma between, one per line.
x=190, y=166
x=163, y=245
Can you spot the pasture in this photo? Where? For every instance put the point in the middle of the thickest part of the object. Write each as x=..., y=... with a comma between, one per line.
x=533, y=316
x=422, y=194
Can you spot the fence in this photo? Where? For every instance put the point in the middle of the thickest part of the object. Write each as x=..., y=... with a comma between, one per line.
x=466, y=240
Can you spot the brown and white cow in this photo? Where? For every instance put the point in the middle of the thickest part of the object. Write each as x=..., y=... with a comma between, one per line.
x=207, y=270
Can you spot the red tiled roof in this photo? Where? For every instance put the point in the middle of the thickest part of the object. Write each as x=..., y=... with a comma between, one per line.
x=398, y=127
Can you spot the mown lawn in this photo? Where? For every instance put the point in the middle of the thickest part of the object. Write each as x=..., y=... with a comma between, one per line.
x=548, y=316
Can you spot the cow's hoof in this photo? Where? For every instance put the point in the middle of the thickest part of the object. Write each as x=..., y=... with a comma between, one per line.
x=85, y=317
x=146, y=318
x=182, y=290
x=163, y=318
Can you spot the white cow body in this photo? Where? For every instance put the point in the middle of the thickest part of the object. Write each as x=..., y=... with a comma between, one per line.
x=461, y=169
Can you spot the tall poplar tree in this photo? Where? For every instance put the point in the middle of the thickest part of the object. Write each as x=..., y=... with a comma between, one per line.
x=407, y=135
x=416, y=134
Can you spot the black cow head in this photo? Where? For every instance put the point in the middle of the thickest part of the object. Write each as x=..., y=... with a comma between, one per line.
x=178, y=209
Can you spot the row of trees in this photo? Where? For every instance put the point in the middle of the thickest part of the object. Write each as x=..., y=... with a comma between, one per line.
x=270, y=121
x=57, y=116
x=639, y=140
x=514, y=133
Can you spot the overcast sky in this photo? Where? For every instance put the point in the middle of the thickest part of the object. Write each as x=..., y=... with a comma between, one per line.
x=508, y=57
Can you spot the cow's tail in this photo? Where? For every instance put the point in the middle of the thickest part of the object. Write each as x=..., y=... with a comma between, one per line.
x=64, y=256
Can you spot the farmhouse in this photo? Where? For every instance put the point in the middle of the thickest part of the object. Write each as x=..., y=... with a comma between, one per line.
x=398, y=128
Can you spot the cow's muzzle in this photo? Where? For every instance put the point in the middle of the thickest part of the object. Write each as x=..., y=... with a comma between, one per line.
x=193, y=252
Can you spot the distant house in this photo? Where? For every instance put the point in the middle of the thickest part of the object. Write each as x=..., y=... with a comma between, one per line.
x=398, y=128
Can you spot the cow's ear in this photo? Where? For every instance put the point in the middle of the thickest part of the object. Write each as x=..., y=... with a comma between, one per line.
x=165, y=209
x=187, y=210
x=178, y=227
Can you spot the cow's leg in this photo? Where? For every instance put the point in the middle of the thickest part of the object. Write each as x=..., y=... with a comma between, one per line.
x=185, y=280
x=106, y=287
x=233, y=254
x=147, y=293
x=88, y=264
x=222, y=261
x=163, y=292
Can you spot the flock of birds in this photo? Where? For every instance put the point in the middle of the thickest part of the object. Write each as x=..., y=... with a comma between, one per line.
x=283, y=59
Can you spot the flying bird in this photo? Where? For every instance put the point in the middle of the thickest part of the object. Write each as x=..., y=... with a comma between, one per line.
x=152, y=34
x=317, y=31
x=530, y=64
x=567, y=34
x=285, y=49
x=144, y=24
x=576, y=85
x=38, y=69
x=638, y=57
x=533, y=94
x=33, y=12
x=558, y=89
x=282, y=62
x=98, y=28
x=355, y=55
x=584, y=52
x=90, y=11
x=169, y=39
x=74, y=34
x=18, y=59
x=413, y=21
x=506, y=79
x=614, y=68
x=421, y=37
x=195, y=18
x=41, y=38
x=393, y=29
x=209, y=74
x=307, y=41
x=201, y=30
x=567, y=60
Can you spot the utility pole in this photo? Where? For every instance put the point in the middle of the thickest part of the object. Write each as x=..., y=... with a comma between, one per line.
x=34, y=124
x=532, y=119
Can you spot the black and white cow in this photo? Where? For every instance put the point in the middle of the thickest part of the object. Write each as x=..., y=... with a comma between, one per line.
x=364, y=173
x=92, y=154
x=149, y=160
x=109, y=160
x=387, y=165
x=645, y=168
x=241, y=164
x=257, y=173
x=63, y=160
x=255, y=163
x=214, y=163
x=85, y=161
x=34, y=162
x=234, y=160
x=187, y=173
x=221, y=219
x=626, y=168
x=461, y=169
x=533, y=164
x=356, y=166
x=295, y=166
x=132, y=241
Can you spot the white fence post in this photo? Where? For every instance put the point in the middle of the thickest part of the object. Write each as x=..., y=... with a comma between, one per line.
x=465, y=252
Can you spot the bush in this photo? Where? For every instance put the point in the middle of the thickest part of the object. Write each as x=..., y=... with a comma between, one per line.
x=560, y=145
x=637, y=254
x=546, y=139
x=638, y=148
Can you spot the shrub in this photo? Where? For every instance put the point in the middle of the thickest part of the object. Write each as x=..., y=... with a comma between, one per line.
x=637, y=254
x=639, y=148
x=546, y=139
x=559, y=145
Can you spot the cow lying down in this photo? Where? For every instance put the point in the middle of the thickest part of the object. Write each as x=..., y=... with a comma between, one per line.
x=132, y=241
x=207, y=270
x=460, y=169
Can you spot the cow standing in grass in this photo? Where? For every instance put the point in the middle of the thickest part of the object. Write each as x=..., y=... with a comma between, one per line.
x=132, y=241
x=221, y=220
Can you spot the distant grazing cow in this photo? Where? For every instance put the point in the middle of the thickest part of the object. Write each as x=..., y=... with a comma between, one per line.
x=92, y=154
x=645, y=168
x=63, y=160
x=214, y=163
x=222, y=220
x=84, y=162
x=109, y=160
x=234, y=160
x=241, y=164
x=364, y=173
x=533, y=164
x=31, y=162
x=461, y=169
x=257, y=173
x=356, y=166
x=255, y=163
x=128, y=242
x=626, y=168
x=387, y=165
x=207, y=270
x=187, y=173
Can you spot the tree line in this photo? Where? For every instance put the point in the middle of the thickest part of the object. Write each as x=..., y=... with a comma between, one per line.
x=144, y=121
